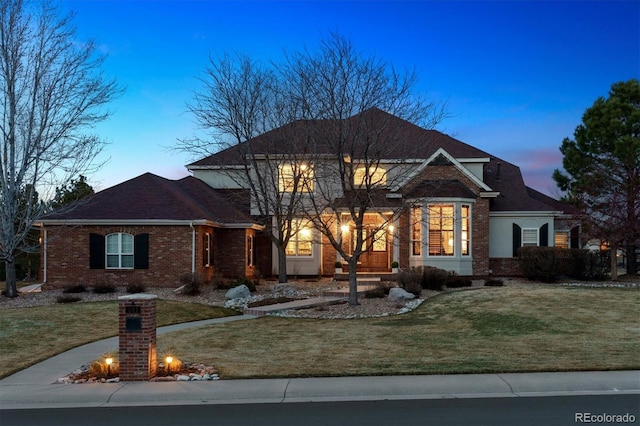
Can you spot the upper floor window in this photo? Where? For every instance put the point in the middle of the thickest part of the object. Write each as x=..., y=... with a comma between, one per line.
x=119, y=251
x=372, y=176
x=300, y=243
x=295, y=177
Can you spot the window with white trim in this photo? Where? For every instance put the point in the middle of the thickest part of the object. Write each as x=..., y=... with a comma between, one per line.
x=441, y=230
x=416, y=231
x=300, y=243
x=465, y=234
x=295, y=177
x=119, y=251
x=377, y=176
x=529, y=237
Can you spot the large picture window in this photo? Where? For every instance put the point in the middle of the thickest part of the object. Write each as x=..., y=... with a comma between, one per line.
x=119, y=251
x=441, y=230
x=296, y=177
x=301, y=240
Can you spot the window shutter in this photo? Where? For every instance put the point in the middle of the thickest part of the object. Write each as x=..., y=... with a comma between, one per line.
x=574, y=239
x=517, y=239
x=544, y=235
x=96, y=251
x=141, y=251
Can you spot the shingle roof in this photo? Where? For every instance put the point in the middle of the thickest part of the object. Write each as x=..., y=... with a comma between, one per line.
x=151, y=197
x=407, y=141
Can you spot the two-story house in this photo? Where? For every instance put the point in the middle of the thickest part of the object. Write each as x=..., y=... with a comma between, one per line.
x=432, y=200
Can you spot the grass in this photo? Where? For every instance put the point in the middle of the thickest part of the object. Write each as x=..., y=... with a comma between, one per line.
x=30, y=335
x=504, y=329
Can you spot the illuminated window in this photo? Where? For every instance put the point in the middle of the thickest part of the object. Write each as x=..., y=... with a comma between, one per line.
x=416, y=231
x=377, y=176
x=464, y=225
x=300, y=243
x=251, y=255
x=561, y=239
x=441, y=235
x=119, y=251
x=206, y=249
x=295, y=177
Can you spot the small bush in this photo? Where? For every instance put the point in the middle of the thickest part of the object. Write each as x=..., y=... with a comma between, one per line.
x=136, y=288
x=191, y=282
x=104, y=288
x=589, y=265
x=539, y=263
x=99, y=367
x=68, y=299
x=434, y=278
x=78, y=288
x=456, y=281
x=375, y=293
x=245, y=281
x=409, y=276
x=413, y=287
x=493, y=283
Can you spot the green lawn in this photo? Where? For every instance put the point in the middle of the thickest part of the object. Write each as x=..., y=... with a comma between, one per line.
x=507, y=329
x=30, y=335
x=538, y=328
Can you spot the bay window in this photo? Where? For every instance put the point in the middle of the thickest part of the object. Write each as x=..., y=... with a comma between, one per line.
x=441, y=230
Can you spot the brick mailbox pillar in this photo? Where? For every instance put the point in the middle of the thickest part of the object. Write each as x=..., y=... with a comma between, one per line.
x=137, y=336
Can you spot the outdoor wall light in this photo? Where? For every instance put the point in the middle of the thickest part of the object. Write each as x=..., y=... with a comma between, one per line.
x=391, y=229
x=108, y=361
x=344, y=228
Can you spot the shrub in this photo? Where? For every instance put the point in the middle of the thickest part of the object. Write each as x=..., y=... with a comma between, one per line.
x=493, y=283
x=395, y=264
x=136, y=287
x=589, y=265
x=68, y=299
x=409, y=276
x=456, y=281
x=100, y=368
x=434, y=278
x=77, y=288
x=413, y=287
x=191, y=282
x=375, y=293
x=539, y=263
x=338, y=265
x=245, y=281
x=104, y=288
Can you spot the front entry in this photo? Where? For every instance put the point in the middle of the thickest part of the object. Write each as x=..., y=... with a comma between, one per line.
x=377, y=249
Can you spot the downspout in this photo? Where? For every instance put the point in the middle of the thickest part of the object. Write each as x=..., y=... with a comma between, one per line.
x=44, y=255
x=193, y=248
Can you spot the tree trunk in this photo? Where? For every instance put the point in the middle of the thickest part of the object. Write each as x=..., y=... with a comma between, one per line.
x=632, y=264
x=282, y=264
x=614, y=262
x=12, y=288
x=353, y=281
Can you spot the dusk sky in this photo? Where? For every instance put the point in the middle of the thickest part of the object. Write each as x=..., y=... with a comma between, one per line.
x=517, y=75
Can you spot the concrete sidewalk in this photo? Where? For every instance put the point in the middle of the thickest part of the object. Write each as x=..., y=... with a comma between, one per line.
x=33, y=388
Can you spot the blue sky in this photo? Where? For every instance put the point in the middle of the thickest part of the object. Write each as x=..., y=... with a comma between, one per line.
x=517, y=75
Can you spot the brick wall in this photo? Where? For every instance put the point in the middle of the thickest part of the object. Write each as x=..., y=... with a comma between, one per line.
x=170, y=251
x=505, y=267
x=137, y=350
x=231, y=254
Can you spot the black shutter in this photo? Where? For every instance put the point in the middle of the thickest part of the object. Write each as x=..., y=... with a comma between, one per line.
x=141, y=251
x=517, y=239
x=574, y=242
x=96, y=251
x=544, y=235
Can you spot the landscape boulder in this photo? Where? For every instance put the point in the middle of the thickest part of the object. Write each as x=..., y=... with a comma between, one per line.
x=398, y=294
x=239, y=292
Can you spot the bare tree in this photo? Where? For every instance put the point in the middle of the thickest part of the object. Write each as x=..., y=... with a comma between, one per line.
x=350, y=102
x=249, y=129
x=52, y=94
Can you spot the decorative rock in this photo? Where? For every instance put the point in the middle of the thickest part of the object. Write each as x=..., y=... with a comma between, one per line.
x=207, y=376
x=114, y=380
x=398, y=294
x=196, y=377
x=239, y=292
x=183, y=378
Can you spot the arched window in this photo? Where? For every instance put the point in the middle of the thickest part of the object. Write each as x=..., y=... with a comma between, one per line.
x=119, y=251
